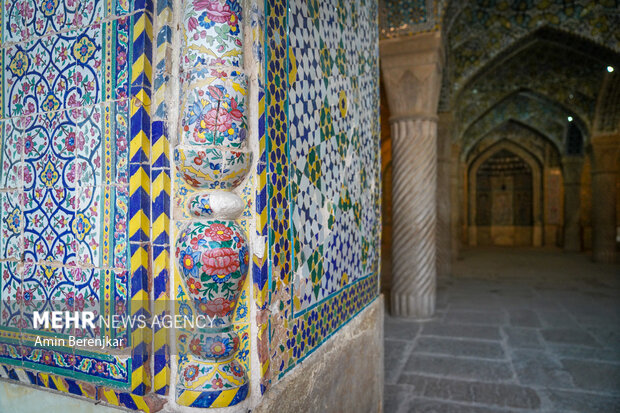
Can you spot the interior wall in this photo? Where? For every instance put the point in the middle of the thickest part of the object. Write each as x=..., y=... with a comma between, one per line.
x=386, y=196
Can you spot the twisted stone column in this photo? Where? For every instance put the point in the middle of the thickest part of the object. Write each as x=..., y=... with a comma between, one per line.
x=412, y=73
x=414, y=217
x=572, y=166
x=604, y=169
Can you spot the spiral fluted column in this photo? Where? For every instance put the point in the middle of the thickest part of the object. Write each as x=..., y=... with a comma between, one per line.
x=572, y=199
x=414, y=183
x=412, y=74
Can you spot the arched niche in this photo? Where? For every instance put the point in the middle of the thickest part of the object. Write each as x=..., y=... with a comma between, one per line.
x=535, y=169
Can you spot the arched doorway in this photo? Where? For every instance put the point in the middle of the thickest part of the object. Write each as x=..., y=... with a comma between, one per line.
x=505, y=197
x=504, y=200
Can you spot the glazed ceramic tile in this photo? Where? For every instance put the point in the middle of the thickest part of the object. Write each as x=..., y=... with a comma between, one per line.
x=65, y=135
x=213, y=259
x=322, y=125
x=46, y=288
x=89, y=145
x=214, y=112
x=11, y=225
x=224, y=205
x=119, y=113
x=49, y=234
x=197, y=375
x=329, y=233
x=121, y=303
x=87, y=225
x=84, y=296
x=87, y=79
x=120, y=233
x=38, y=76
x=25, y=19
x=12, y=295
x=212, y=34
x=212, y=168
x=12, y=164
x=49, y=151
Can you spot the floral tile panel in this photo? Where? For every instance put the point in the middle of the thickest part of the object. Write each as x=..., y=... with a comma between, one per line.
x=28, y=19
x=73, y=69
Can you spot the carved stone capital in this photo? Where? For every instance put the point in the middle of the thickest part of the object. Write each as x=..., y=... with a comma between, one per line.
x=412, y=70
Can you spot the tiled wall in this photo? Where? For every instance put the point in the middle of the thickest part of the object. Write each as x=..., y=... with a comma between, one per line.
x=81, y=183
x=323, y=171
x=74, y=189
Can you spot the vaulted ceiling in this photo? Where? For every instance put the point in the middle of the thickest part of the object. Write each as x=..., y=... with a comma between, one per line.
x=535, y=62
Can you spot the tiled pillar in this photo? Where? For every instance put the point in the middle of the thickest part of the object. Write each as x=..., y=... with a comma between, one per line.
x=604, y=178
x=412, y=70
x=572, y=166
x=212, y=159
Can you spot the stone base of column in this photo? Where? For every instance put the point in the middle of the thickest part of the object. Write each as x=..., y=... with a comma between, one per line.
x=415, y=306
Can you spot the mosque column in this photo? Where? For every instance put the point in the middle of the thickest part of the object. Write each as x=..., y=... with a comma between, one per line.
x=605, y=150
x=444, y=196
x=572, y=166
x=412, y=73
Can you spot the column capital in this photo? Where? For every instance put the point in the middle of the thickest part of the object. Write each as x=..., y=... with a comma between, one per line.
x=412, y=70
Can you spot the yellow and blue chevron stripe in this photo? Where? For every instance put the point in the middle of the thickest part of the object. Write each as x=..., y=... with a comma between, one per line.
x=161, y=189
x=222, y=398
x=140, y=198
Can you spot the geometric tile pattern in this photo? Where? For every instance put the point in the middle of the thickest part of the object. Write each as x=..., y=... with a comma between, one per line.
x=322, y=127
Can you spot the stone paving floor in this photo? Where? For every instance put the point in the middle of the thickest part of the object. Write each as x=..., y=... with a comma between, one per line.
x=530, y=330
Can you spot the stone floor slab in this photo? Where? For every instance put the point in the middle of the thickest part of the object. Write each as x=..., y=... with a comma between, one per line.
x=395, y=353
x=487, y=394
x=523, y=318
x=569, y=336
x=461, y=331
x=538, y=368
x=523, y=337
x=483, y=370
x=400, y=328
x=589, y=375
x=582, y=402
x=475, y=317
x=459, y=347
x=418, y=405
x=552, y=316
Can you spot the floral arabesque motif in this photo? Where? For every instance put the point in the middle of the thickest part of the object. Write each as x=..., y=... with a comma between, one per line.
x=213, y=259
x=214, y=346
x=212, y=33
x=212, y=168
x=214, y=114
